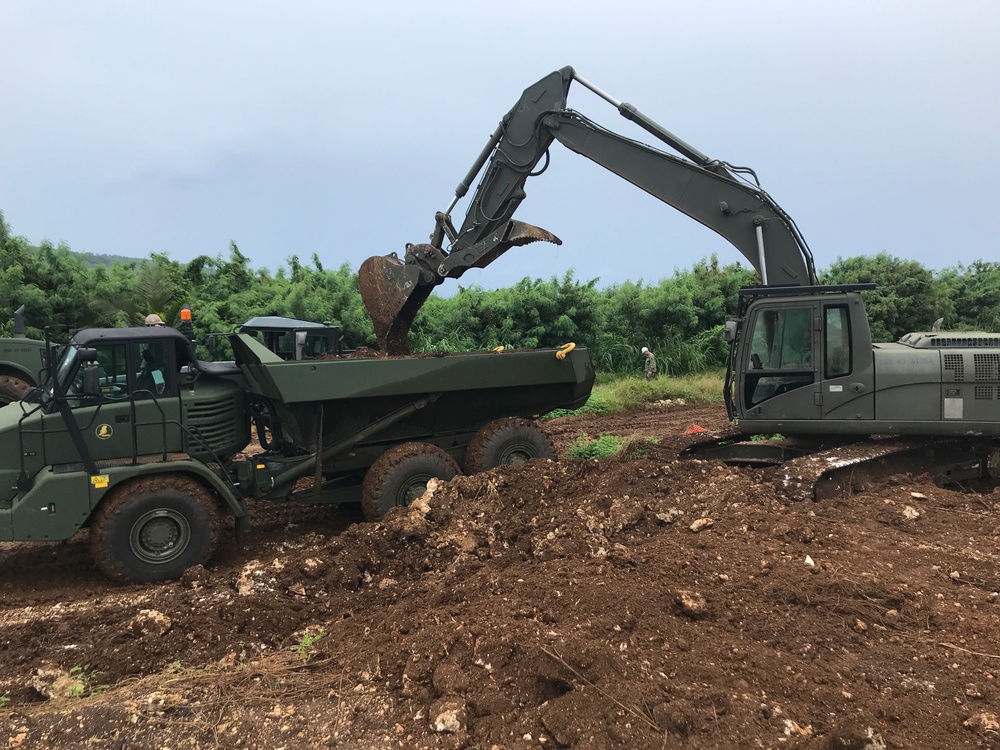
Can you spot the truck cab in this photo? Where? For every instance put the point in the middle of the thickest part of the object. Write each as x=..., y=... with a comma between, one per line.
x=134, y=392
x=293, y=339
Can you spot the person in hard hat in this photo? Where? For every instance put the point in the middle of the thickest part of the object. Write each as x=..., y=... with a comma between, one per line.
x=154, y=320
x=650, y=363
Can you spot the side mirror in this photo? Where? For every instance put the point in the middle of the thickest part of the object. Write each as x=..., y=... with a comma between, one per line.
x=91, y=380
x=729, y=332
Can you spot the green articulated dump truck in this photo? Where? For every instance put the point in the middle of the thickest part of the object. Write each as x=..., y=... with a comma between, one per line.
x=136, y=439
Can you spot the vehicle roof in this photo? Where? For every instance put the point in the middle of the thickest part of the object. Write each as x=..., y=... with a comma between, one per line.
x=279, y=323
x=95, y=336
x=91, y=335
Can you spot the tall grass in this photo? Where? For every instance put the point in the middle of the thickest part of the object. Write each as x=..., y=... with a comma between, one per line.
x=674, y=355
x=617, y=393
x=624, y=393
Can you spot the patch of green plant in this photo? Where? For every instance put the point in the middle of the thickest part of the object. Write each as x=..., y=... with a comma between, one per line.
x=306, y=643
x=587, y=446
x=775, y=436
x=4, y=700
x=635, y=447
x=596, y=404
x=86, y=682
x=629, y=393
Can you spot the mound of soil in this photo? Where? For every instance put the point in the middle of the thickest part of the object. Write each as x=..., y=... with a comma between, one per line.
x=630, y=602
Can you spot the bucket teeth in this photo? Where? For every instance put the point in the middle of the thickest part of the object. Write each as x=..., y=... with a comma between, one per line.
x=519, y=233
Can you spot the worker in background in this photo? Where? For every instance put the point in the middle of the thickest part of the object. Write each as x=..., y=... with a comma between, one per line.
x=154, y=320
x=650, y=363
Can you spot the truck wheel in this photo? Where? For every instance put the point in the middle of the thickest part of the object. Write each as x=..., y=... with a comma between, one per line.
x=400, y=476
x=507, y=441
x=11, y=389
x=153, y=529
x=993, y=464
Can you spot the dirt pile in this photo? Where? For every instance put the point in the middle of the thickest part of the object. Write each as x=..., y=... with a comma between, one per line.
x=620, y=603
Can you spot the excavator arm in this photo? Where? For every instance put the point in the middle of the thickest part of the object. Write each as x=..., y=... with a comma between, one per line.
x=713, y=193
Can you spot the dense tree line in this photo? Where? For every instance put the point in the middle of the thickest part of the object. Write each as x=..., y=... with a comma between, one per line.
x=679, y=317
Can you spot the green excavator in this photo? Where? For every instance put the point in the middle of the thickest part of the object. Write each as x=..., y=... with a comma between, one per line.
x=802, y=364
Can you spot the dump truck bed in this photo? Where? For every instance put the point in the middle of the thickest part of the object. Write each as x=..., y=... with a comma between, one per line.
x=337, y=396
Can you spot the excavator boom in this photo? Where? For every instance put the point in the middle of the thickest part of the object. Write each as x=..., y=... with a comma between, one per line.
x=711, y=192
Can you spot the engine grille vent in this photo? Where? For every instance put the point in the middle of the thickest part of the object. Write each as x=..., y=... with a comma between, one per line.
x=213, y=421
x=987, y=367
x=985, y=393
x=955, y=363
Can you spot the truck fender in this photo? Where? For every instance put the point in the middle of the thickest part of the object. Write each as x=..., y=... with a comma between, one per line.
x=198, y=471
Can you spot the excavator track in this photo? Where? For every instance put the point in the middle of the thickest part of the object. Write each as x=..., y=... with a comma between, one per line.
x=848, y=469
x=805, y=470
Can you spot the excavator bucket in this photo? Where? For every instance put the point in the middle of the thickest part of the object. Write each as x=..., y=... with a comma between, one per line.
x=393, y=295
x=393, y=290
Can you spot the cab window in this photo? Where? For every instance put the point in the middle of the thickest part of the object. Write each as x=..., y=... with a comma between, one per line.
x=837, y=342
x=112, y=375
x=112, y=371
x=781, y=353
x=154, y=374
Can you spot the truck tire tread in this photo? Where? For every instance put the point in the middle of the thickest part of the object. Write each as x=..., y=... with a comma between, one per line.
x=116, y=517
x=397, y=475
x=11, y=389
x=507, y=441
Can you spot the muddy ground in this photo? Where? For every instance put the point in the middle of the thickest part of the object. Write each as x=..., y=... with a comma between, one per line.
x=636, y=602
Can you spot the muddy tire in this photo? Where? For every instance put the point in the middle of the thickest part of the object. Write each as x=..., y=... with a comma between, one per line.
x=507, y=441
x=153, y=529
x=11, y=389
x=993, y=465
x=400, y=476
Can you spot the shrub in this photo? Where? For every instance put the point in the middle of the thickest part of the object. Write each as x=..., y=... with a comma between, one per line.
x=587, y=446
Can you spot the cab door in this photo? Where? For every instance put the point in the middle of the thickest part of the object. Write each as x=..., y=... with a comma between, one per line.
x=155, y=394
x=104, y=421
x=779, y=371
x=848, y=386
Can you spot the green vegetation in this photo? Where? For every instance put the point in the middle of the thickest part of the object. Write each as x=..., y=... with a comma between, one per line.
x=632, y=447
x=626, y=393
x=679, y=317
x=587, y=446
x=616, y=393
x=84, y=682
x=305, y=645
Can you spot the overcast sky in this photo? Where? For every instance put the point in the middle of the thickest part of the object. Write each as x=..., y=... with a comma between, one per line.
x=340, y=128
